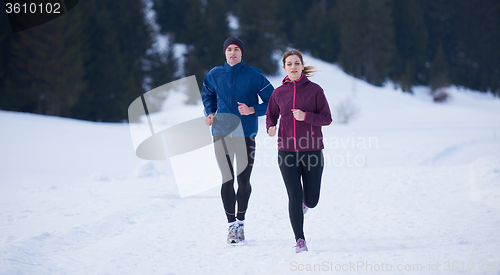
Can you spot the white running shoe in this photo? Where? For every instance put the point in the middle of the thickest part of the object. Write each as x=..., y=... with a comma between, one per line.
x=301, y=246
x=232, y=236
x=241, y=232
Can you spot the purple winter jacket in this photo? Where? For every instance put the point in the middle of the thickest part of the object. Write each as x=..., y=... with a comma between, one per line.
x=294, y=135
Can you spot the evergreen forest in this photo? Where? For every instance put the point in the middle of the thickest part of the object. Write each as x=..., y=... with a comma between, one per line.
x=95, y=60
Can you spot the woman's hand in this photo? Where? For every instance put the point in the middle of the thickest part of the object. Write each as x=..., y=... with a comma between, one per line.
x=209, y=119
x=271, y=131
x=298, y=114
x=245, y=110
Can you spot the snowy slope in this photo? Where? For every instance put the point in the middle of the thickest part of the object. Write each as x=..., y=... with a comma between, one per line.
x=408, y=184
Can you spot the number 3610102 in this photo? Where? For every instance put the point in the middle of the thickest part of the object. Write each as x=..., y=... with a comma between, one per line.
x=33, y=8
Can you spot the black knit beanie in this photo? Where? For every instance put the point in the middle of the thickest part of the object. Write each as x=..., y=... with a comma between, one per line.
x=234, y=40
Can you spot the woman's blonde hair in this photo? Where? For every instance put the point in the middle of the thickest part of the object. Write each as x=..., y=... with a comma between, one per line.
x=308, y=70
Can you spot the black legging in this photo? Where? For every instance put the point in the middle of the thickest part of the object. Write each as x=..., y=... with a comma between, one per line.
x=244, y=150
x=309, y=167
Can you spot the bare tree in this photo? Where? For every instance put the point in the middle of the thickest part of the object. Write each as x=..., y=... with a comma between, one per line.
x=345, y=111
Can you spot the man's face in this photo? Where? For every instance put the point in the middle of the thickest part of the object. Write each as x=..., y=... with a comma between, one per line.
x=233, y=54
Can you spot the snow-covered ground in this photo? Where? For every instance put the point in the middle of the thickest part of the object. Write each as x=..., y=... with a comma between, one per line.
x=409, y=186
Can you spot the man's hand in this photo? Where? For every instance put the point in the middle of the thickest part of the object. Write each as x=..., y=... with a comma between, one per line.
x=245, y=110
x=298, y=114
x=209, y=119
x=271, y=131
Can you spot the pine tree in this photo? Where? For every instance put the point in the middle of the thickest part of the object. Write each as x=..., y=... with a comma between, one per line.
x=45, y=67
x=477, y=56
x=16, y=93
x=353, y=33
x=198, y=40
x=488, y=41
x=289, y=18
x=208, y=28
x=116, y=40
x=193, y=66
x=258, y=29
x=411, y=41
x=367, y=36
x=6, y=97
x=319, y=32
x=218, y=32
x=440, y=17
x=380, y=53
x=171, y=17
x=162, y=67
x=202, y=28
x=439, y=70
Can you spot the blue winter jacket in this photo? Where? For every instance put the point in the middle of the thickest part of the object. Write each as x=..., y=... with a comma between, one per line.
x=225, y=86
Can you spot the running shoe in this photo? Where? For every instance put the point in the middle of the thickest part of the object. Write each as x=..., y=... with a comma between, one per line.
x=301, y=246
x=241, y=232
x=232, y=236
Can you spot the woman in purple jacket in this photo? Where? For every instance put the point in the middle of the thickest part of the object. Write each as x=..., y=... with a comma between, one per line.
x=303, y=108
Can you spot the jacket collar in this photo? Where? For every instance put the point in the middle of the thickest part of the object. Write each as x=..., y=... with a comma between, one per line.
x=235, y=67
x=301, y=80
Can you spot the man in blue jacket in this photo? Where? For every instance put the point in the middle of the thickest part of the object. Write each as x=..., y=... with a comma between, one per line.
x=231, y=95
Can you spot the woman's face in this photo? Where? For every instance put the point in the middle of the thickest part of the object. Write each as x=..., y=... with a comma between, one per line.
x=293, y=67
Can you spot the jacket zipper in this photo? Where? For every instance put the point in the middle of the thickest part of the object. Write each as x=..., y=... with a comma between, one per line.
x=294, y=122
